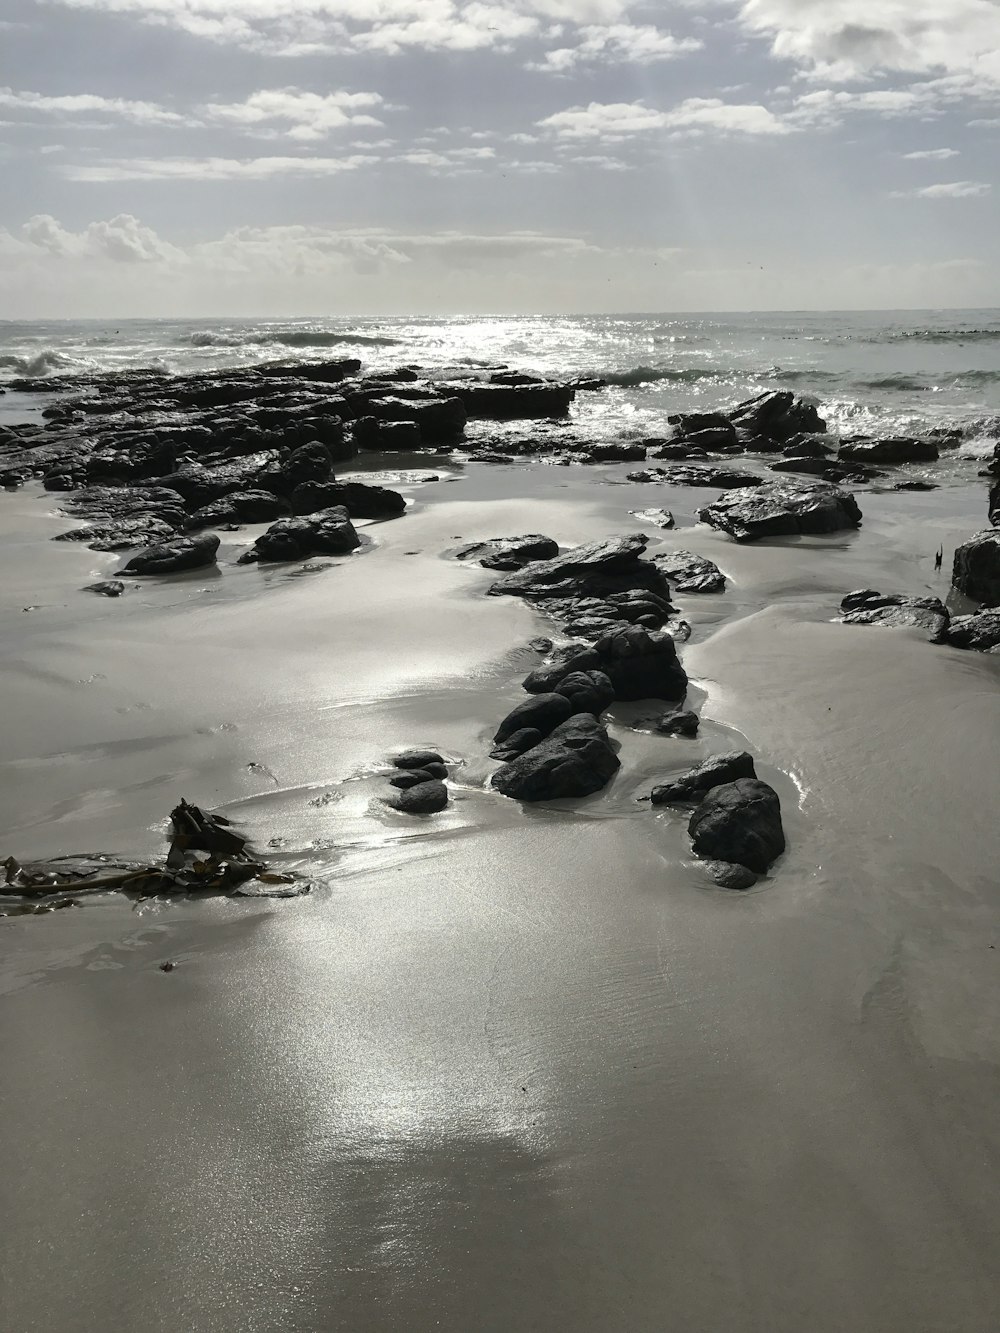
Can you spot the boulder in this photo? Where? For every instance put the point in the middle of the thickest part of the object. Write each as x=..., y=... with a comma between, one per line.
x=638, y=663
x=107, y=588
x=777, y=416
x=678, y=722
x=543, y=714
x=980, y=632
x=424, y=798
x=387, y=436
x=409, y=777
x=618, y=451
x=807, y=446
x=587, y=691
x=976, y=569
x=782, y=509
x=417, y=758
x=894, y=610
x=359, y=499
x=896, y=450
x=691, y=423
x=575, y=760
x=691, y=573
x=595, y=570
x=712, y=772
x=994, y=504
x=508, y=553
x=516, y=744
x=329, y=532
x=739, y=822
x=729, y=875
x=171, y=557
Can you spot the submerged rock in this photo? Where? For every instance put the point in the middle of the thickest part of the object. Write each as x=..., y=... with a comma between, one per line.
x=329, y=532
x=730, y=875
x=714, y=771
x=894, y=610
x=107, y=588
x=172, y=557
x=782, y=509
x=976, y=570
x=575, y=760
x=691, y=573
x=739, y=822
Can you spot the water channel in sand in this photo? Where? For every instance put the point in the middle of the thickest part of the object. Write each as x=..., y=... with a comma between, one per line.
x=513, y=1068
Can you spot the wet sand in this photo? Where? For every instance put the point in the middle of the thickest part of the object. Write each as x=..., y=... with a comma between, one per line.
x=514, y=1068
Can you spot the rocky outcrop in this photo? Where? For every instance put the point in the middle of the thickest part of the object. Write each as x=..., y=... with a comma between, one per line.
x=712, y=772
x=718, y=478
x=359, y=499
x=980, y=633
x=782, y=509
x=175, y=556
x=976, y=568
x=507, y=402
x=639, y=665
x=575, y=760
x=691, y=573
x=542, y=713
x=678, y=722
x=774, y=417
x=739, y=822
x=894, y=610
x=328, y=532
x=898, y=449
x=238, y=507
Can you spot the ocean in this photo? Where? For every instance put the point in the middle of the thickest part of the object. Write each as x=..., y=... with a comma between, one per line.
x=878, y=372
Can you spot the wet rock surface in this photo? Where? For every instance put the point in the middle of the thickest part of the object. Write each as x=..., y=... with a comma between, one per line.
x=639, y=664
x=510, y=553
x=976, y=568
x=175, y=556
x=691, y=573
x=329, y=532
x=980, y=632
x=894, y=610
x=719, y=478
x=712, y=772
x=575, y=760
x=739, y=822
x=779, y=509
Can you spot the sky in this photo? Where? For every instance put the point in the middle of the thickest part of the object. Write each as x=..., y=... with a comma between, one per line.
x=309, y=157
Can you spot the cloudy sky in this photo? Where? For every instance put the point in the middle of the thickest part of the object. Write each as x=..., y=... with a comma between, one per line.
x=375, y=156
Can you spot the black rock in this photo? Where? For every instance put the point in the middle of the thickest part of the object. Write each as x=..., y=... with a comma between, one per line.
x=510, y=553
x=108, y=588
x=238, y=507
x=781, y=509
x=896, y=450
x=739, y=822
x=417, y=758
x=359, y=499
x=691, y=573
x=329, y=532
x=173, y=556
x=543, y=713
x=777, y=416
x=692, y=423
x=616, y=451
x=807, y=446
x=712, y=772
x=516, y=744
x=994, y=504
x=894, y=610
x=718, y=478
x=639, y=664
x=980, y=632
x=425, y=798
x=511, y=401
x=409, y=777
x=595, y=570
x=730, y=875
x=540, y=645
x=575, y=760
x=587, y=691
x=976, y=569
x=678, y=722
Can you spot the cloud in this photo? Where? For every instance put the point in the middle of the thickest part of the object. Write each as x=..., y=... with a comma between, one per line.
x=306, y=115
x=213, y=168
x=946, y=190
x=931, y=155
x=637, y=44
x=616, y=121
x=74, y=105
x=122, y=239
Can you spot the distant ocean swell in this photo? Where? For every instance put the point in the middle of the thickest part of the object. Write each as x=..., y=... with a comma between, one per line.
x=290, y=338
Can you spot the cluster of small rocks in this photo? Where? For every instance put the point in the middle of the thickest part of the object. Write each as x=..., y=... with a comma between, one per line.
x=419, y=783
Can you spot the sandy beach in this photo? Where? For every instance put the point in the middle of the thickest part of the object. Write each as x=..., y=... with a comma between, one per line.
x=517, y=1067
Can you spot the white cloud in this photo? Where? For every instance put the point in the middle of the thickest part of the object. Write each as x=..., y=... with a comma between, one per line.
x=946, y=190
x=306, y=115
x=638, y=44
x=122, y=239
x=931, y=155
x=616, y=121
x=74, y=105
x=214, y=168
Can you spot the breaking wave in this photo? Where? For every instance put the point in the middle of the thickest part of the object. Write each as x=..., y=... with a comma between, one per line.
x=630, y=379
x=290, y=338
x=43, y=363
